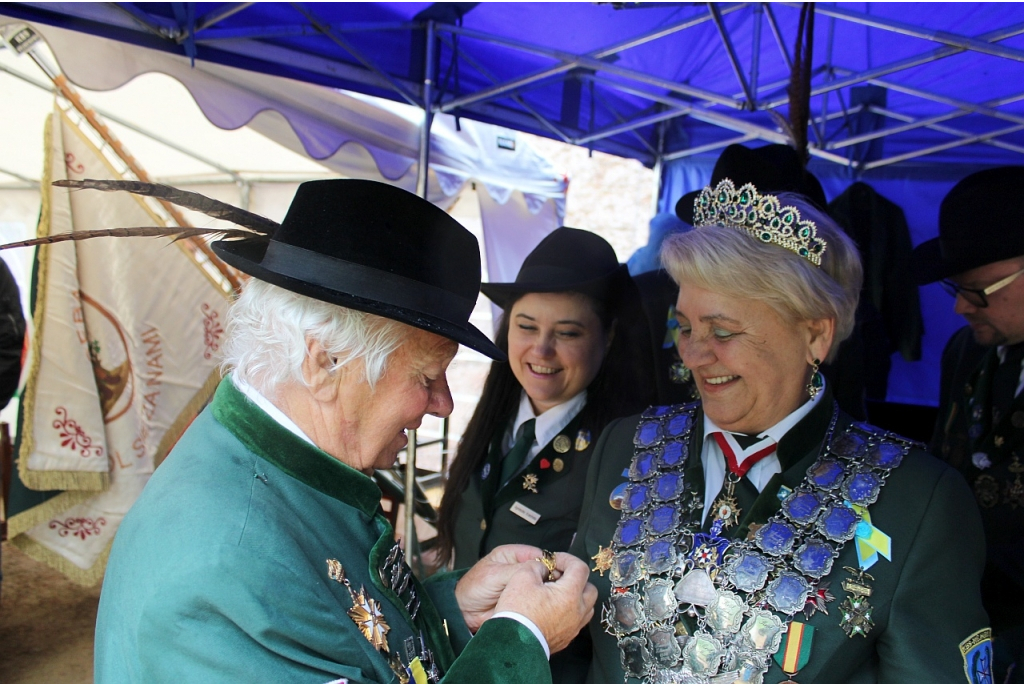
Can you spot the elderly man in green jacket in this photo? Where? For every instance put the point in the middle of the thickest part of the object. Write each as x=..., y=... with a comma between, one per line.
x=258, y=551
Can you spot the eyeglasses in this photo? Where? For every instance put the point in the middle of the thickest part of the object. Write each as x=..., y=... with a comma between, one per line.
x=975, y=296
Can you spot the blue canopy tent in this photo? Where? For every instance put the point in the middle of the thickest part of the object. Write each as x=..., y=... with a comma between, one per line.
x=907, y=97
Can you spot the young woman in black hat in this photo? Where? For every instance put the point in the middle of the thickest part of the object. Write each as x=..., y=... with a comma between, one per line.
x=573, y=367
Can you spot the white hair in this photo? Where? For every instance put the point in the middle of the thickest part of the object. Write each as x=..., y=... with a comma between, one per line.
x=267, y=329
x=729, y=261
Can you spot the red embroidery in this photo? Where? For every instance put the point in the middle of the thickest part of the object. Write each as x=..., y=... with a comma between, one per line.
x=212, y=330
x=79, y=527
x=72, y=435
x=72, y=164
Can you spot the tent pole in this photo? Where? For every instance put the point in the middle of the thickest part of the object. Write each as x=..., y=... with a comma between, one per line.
x=72, y=96
x=421, y=190
x=457, y=54
x=428, y=115
x=730, y=51
x=658, y=170
x=903, y=64
x=755, y=56
x=571, y=60
x=903, y=28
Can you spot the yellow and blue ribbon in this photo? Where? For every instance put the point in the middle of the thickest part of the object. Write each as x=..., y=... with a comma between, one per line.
x=870, y=541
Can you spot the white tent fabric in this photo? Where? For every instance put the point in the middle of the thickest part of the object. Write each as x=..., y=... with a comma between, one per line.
x=356, y=136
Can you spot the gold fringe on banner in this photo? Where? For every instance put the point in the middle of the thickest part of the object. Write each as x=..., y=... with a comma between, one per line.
x=94, y=481
x=41, y=513
x=87, y=577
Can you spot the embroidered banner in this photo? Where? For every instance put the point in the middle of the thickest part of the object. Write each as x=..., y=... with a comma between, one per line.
x=123, y=359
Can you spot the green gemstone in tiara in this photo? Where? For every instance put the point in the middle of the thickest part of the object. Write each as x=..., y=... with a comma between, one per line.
x=760, y=216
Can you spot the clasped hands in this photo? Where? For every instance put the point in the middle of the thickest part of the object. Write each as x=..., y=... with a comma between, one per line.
x=514, y=578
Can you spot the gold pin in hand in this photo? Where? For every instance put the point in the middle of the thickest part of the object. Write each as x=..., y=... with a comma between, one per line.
x=548, y=559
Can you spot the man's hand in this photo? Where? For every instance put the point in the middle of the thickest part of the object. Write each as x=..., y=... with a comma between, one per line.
x=560, y=608
x=478, y=591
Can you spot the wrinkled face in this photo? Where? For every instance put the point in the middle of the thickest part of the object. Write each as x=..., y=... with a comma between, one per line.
x=750, y=365
x=555, y=346
x=1002, y=321
x=367, y=428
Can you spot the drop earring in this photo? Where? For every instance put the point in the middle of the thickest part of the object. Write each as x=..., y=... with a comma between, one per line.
x=817, y=382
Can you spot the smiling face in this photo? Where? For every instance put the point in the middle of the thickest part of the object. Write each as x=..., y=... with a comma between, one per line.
x=363, y=427
x=750, y=365
x=1002, y=321
x=556, y=344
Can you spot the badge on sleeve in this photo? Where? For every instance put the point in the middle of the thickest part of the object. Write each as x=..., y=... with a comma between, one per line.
x=977, y=653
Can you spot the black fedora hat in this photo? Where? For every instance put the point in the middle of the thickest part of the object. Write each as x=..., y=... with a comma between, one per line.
x=981, y=221
x=771, y=168
x=376, y=248
x=568, y=259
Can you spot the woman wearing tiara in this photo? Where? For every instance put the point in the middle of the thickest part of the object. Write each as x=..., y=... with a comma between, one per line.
x=760, y=534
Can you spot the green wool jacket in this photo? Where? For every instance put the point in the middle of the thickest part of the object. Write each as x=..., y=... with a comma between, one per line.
x=486, y=515
x=219, y=572
x=926, y=600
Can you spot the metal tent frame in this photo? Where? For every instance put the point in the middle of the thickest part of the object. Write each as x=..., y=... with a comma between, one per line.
x=600, y=98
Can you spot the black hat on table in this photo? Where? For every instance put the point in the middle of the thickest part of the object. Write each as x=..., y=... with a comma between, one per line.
x=375, y=248
x=771, y=168
x=568, y=259
x=981, y=221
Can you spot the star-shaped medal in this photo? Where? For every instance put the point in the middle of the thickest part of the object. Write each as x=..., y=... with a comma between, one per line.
x=727, y=510
x=366, y=614
x=817, y=601
x=530, y=482
x=603, y=559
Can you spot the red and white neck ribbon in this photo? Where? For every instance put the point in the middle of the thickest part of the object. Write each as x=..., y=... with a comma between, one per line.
x=738, y=459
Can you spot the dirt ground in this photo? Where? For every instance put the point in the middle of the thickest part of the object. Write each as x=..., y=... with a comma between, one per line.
x=46, y=623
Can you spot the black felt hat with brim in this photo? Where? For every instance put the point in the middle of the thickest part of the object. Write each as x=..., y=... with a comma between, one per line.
x=981, y=221
x=567, y=260
x=376, y=248
x=771, y=168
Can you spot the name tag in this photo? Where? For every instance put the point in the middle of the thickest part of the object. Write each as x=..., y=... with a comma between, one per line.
x=526, y=513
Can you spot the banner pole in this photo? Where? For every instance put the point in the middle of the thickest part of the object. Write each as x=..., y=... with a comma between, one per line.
x=28, y=45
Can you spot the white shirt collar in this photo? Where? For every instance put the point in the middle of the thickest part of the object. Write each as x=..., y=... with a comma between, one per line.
x=761, y=472
x=777, y=431
x=549, y=424
x=268, y=407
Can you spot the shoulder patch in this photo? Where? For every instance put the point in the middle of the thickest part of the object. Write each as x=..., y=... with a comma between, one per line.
x=977, y=653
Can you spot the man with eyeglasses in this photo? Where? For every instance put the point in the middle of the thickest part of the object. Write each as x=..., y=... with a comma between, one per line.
x=979, y=259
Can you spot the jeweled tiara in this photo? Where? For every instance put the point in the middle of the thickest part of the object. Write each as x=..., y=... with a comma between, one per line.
x=761, y=216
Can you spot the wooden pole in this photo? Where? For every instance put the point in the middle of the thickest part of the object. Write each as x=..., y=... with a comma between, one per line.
x=71, y=95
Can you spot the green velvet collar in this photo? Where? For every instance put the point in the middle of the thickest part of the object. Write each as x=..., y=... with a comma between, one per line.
x=271, y=441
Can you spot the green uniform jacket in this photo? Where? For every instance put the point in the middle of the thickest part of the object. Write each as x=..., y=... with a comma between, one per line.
x=966, y=369
x=219, y=572
x=486, y=519
x=926, y=600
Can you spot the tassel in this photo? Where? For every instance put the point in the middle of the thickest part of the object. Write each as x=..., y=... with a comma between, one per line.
x=182, y=198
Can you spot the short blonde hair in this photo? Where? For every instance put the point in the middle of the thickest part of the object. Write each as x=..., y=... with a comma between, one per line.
x=731, y=262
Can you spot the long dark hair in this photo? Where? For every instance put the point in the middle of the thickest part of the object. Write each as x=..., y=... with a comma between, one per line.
x=623, y=385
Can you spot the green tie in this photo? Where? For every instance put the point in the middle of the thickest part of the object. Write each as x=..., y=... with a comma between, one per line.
x=514, y=459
